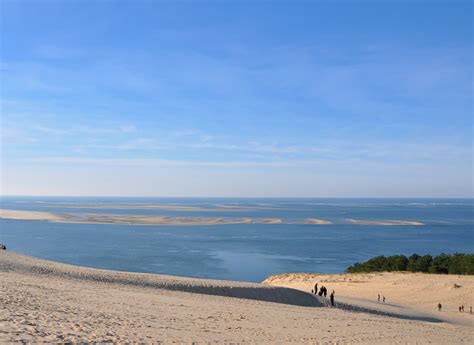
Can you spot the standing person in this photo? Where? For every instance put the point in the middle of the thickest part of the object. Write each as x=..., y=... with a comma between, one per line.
x=383, y=299
x=462, y=307
x=316, y=288
x=332, y=298
x=378, y=297
x=439, y=306
x=470, y=309
x=325, y=292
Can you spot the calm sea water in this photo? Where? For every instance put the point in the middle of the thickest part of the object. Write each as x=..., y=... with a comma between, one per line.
x=248, y=252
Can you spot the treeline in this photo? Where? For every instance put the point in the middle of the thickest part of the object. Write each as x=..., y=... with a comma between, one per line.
x=458, y=263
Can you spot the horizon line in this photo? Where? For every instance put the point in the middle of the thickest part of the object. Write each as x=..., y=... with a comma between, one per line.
x=236, y=197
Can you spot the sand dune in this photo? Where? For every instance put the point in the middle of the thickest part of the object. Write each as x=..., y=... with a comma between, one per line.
x=28, y=265
x=407, y=294
x=50, y=302
x=384, y=222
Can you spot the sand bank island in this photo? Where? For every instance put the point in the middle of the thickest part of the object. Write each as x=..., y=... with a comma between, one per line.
x=166, y=220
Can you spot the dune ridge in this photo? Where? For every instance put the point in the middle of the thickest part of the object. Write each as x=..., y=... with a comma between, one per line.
x=10, y=261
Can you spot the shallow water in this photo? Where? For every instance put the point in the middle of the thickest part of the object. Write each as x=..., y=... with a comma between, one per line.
x=248, y=252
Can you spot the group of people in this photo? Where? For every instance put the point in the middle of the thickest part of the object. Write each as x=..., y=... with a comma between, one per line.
x=323, y=291
x=461, y=308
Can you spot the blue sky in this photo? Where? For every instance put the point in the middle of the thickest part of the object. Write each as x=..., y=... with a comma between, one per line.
x=237, y=98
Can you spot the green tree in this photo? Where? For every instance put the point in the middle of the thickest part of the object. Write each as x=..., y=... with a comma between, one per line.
x=461, y=264
x=396, y=263
x=417, y=263
x=440, y=264
x=376, y=264
x=457, y=263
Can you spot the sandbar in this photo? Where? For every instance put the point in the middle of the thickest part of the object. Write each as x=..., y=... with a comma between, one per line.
x=318, y=221
x=385, y=222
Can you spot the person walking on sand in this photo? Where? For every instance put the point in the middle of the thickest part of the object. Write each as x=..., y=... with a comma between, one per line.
x=316, y=288
x=320, y=293
x=332, y=298
x=325, y=292
x=378, y=297
x=439, y=306
x=383, y=299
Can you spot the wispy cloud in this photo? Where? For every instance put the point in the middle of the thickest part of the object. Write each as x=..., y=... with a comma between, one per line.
x=48, y=130
x=168, y=162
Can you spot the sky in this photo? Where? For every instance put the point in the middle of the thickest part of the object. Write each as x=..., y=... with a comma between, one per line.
x=237, y=98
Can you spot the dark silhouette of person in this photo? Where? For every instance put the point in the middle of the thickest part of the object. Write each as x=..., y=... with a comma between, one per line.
x=470, y=309
x=325, y=292
x=315, y=288
x=332, y=298
x=439, y=306
x=462, y=307
x=459, y=308
x=378, y=297
x=383, y=299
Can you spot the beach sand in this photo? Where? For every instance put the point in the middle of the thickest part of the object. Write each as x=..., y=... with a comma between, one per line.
x=406, y=293
x=51, y=302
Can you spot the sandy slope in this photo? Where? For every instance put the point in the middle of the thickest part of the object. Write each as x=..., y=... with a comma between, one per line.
x=44, y=301
x=405, y=293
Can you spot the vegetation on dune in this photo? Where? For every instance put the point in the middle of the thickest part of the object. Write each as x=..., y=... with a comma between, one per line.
x=458, y=263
